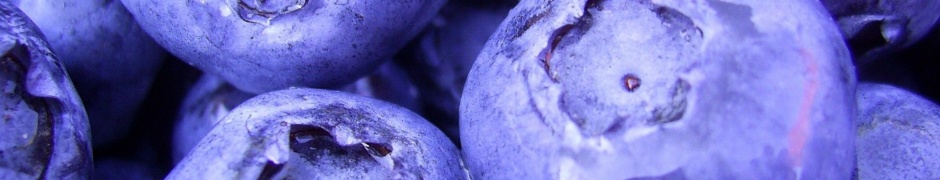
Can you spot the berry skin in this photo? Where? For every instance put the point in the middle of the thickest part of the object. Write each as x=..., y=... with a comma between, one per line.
x=43, y=127
x=321, y=134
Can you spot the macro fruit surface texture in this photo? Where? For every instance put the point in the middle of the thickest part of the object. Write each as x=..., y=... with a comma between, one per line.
x=207, y=102
x=898, y=134
x=665, y=88
x=262, y=46
x=111, y=60
x=320, y=134
x=43, y=127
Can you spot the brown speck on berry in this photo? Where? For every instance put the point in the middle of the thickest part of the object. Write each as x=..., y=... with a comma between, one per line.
x=631, y=82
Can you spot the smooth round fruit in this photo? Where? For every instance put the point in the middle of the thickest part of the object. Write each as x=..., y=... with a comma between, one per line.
x=320, y=134
x=898, y=134
x=262, y=46
x=109, y=57
x=661, y=89
x=43, y=126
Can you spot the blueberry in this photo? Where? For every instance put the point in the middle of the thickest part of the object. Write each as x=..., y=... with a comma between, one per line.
x=321, y=134
x=261, y=46
x=898, y=134
x=209, y=100
x=109, y=57
x=389, y=83
x=662, y=89
x=212, y=98
x=876, y=29
x=43, y=127
x=440, y=59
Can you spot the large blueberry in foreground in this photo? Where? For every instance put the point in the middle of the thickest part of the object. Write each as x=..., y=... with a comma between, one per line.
x=661, y=89
x=262, y=46
x=898, y=134
x=321, y=134
x=43, y=126
x=109, y=57
x=875, y=29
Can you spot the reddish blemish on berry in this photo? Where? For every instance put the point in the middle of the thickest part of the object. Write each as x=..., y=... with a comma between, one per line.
x=800, y=132
x=631, y=82
x=556, y=38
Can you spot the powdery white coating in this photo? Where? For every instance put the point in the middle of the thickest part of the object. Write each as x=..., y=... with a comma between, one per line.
x=898, y=134
x=59, y=147
x=111, y=59
x=324, y=44
x=729, y=89
x=258, y=132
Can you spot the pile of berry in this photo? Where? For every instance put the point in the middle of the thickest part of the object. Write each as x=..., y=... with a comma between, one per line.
x=469, y=89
